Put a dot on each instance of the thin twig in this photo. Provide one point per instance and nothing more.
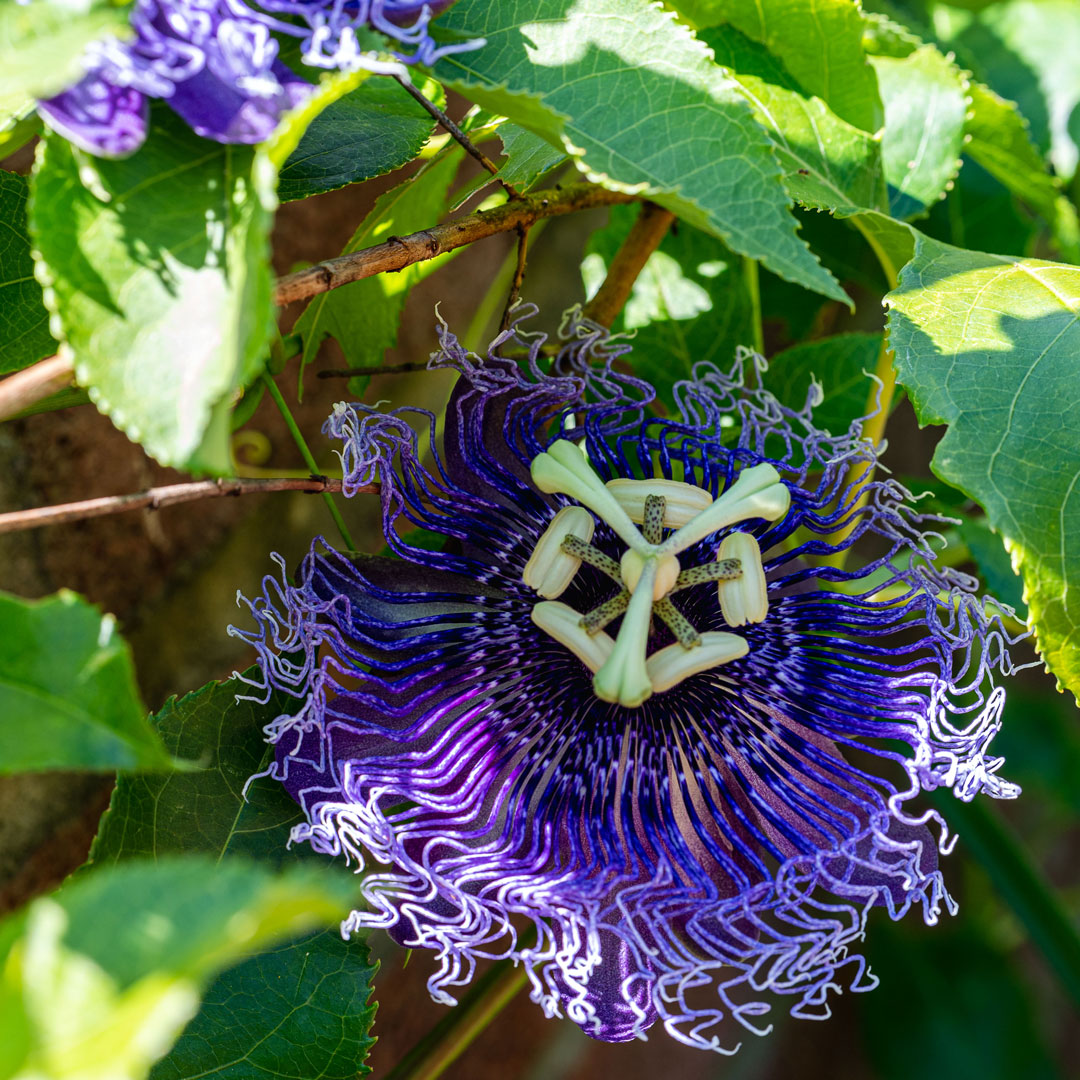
(20, 391)
(379, 369)
(159, 497)
(401, 251)
(643, 239)
(519, 274)
(456, 133)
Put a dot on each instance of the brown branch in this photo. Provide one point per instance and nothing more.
(457, 134)
(519, 274)
(26, 387)
(643, 239)
(156, 498)
(401, 251)
(380, 369)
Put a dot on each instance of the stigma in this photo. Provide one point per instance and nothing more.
(640, 512)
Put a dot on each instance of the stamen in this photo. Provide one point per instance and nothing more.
(682, 502)
(562, 468)
(552, 567)
(677, 623)
(593, 556)
(669, 666)
(721, 570)
(652, 527)
(623, 679)
(744, 599)
(563, 623)
(758, 493)
(604, 613)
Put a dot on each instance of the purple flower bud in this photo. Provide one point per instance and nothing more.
(215, 62)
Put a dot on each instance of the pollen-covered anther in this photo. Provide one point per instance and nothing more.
(563, 623)
(743, 599)
(682, 502)
(669, 666)
(632, 566)
(551, 567)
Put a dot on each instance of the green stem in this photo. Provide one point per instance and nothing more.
(753, 287)
(305, 452)
(1019, 883)
(452, 1035)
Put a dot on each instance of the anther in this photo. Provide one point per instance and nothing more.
(744, 599)
(682, 502)
(669, 666)
(563, 623)
(552, 567)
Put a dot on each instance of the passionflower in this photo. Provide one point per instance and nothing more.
(215, 62)
(646, 708)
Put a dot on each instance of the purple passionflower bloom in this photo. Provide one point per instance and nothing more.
(633, 725)
(215, 62)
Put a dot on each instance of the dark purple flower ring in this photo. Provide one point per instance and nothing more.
(693, 810)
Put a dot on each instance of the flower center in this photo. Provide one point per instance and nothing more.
(649, 570)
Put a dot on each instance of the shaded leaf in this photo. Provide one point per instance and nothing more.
(375, 128)
(989, 555)
(1001, 143)
(839, 365)
(67, 691)
(987, 344)
(24, 322)
(298, 1011)
(204, 810)
(828, 164)
(1026, 50)
(364, 315)
(819, 42)
(925, 109)
(547, 64)
(528, 156)
(98, 979)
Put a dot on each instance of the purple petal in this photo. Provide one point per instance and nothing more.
(106, 120)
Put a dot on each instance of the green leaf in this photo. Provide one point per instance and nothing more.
(819, 42)
(99, 979)
(989, 555)
(19, 122)
(67, 691)
(547, 64)
(840, 365)
(1000, 141)
(364, 315)
(528, 156)
(206, 810)
(375, 128)
(925, 109)
(828, 164)
(157, 272)
(688, 304)
(987, 344)
(42, 44)
(24, 322)
(298, 1010)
